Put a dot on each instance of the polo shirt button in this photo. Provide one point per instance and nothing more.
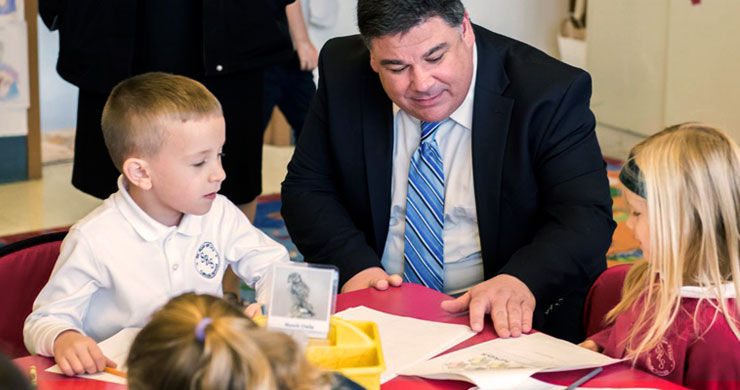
(174, 267)
(219, 68)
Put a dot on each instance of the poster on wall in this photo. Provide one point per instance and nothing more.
(13, 66)
(11, 11)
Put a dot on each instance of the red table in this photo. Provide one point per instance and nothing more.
(409, 300)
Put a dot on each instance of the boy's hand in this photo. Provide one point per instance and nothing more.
(253, 310)
(78, 354)
(590, 344)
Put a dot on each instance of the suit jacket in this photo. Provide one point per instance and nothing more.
(97, 39)
(542, 195)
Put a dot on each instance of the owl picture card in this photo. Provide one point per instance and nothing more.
(302, 298)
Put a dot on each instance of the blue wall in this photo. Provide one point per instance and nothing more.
(58, 97)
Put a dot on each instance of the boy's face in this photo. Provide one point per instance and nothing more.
(186, 173)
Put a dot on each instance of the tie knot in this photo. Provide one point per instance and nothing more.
(428, 129)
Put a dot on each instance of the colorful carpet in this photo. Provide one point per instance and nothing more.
(624, 247)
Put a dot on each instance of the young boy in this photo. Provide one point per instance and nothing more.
(165, 232)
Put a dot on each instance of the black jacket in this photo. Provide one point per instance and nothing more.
(542, 195)
(97, 37)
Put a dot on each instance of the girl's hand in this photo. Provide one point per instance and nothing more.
(589, 344)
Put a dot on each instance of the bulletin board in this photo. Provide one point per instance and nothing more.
(19, 87)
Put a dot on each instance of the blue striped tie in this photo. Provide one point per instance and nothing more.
(424, 249)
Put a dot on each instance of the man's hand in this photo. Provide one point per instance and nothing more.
(505, 297)
(78, 354)
(372, 277)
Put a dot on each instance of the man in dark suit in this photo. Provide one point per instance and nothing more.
(516, 170)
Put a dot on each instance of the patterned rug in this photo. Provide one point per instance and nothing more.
(624, 247)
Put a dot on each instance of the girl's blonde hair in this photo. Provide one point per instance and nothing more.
(690, 174)
(234, 353)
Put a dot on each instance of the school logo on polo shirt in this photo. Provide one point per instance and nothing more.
(207, 260)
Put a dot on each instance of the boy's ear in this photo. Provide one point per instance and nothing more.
(136, 171)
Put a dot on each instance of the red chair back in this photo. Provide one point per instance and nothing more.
(603, 296)
(25, 267)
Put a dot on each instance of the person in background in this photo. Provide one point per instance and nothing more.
(289, 85)
(202, 342)
(485, 145)
(224, 45)
(166, 231)
(678, 316)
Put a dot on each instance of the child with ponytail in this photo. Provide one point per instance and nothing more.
(678, 316)
(203, 342)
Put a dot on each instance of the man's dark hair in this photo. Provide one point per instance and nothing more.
(377, 18)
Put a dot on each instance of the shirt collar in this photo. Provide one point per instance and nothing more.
(728, 291)
(464, 114)
(147, 227)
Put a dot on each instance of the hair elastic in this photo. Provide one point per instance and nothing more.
(631, 177)
(200, 329)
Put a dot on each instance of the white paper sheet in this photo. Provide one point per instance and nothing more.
(116, 348)
(407, 341)
(534, 384)
(505, 363)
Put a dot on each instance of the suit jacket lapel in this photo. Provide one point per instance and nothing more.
(377, 131)
(491, 114)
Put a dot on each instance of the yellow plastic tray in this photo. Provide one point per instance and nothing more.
(351, 348)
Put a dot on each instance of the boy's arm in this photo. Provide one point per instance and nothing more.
(251, 252)
(64, 301)
(78, 354)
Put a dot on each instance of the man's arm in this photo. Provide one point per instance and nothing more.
(566, 252)
(568, 248)
(315, 215)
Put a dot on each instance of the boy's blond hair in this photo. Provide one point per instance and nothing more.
(133, 114)
(691, 178)
(231, 353)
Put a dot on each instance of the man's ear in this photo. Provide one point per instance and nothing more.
(137, 173)
(467, 30)
(374, 64)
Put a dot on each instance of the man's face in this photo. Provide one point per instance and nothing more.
(427, 71)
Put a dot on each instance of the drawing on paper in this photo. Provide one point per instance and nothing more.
(482, 362)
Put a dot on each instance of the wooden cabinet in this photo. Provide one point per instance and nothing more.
(661, 62)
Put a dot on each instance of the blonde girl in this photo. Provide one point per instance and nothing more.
(203, 342)
(678, 317)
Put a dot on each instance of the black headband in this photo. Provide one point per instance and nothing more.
(632, 179)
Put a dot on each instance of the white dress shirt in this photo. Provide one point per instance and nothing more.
(118, 265)
(463, 267)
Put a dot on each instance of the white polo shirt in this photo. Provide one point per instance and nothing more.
(118, 265)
